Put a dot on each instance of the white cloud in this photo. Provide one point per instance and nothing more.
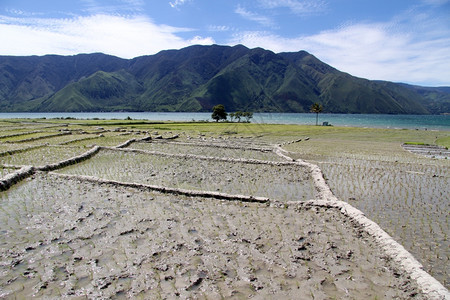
(198, 40)
(117, 35)
(263, 20)
(218, 28)
(177, 3)
(373, 51)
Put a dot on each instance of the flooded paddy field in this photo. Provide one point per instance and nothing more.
(412, 203)
(69, 238)
(69, 233)
(282, 182)
(405, 193)
(215, 149)
(7, 148)
(41, 155)
(110, 139)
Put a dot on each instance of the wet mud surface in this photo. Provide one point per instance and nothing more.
(405, 193)
(280, 182)
(428, 151)
(226, 150)
(68, 238)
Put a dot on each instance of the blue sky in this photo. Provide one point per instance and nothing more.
(396, 40)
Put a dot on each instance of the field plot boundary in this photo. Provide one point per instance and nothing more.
(324, 191)
(39, 138)
(211, 158)
(15, 177)
(19, 134)
(431, 151)
(162, 189)
(11, 152)
(395, 251)
(70, 161)
(26, 171)
(125, 144)
(78, 140)
(197, 144)
(432, 288)
(429, 285)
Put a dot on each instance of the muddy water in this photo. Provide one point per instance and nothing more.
(65, 238)
(409, 201)
(215, 150)
(284, 183)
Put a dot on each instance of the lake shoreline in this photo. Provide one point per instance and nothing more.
(420, 122)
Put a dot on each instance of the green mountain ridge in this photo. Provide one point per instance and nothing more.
(197, 78)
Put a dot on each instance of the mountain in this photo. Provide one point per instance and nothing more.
(198, 77)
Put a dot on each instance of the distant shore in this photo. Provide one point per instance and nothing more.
(420, 122)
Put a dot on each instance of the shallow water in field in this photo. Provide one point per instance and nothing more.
(99, 236)
(411, 202)
(69, 239)
(284, 183)
(407, 196)
(226, 151)
(41, 156)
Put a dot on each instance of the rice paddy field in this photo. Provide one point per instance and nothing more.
(280, 182)
(116, 238)
(406, 194)
(218, 149)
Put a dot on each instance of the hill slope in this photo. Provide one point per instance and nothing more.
(198, 77)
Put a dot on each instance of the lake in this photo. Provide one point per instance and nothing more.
(421, 122)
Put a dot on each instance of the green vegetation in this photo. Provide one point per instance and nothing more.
(219, 113)
(317, 109)
(197, 78)
(415, 143)
(241, 114)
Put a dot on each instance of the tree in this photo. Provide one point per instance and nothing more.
(238, 116)
(219, 113)
(241, 114)
(247, 115)
(316, 108)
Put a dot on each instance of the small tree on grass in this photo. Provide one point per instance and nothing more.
(241, 114)
(317, 108)
(247, 115)
(219, 113)
(238, 116)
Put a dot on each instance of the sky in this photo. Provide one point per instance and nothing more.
(395, 40)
